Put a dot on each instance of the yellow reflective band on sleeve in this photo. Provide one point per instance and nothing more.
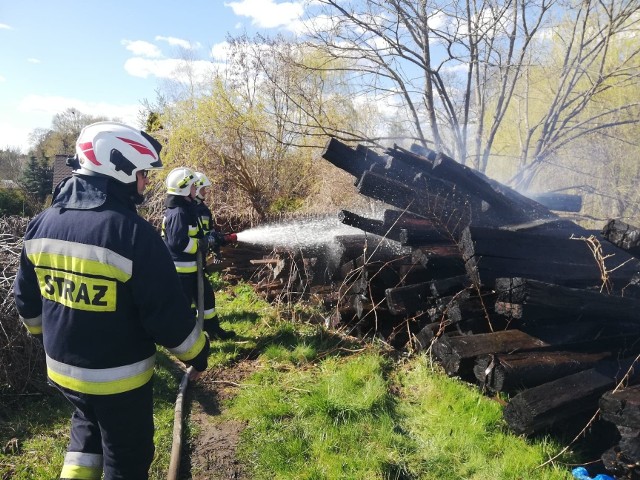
(80, 465)
(186, 267)
(191, 346)
(76, 291)
(103, 381)
(78, 258)
(193, 230)
(34, 330)
(34, 325)
(192, 246)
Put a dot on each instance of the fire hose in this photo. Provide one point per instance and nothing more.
(176, 445)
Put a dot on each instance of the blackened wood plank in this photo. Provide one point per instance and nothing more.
(560, 202)
(363, 223)
(552, 403)
(347, 158)
(484, 271)
(508, 203)
(423, 236)
(552, 255)
(510, 372)
(623, 235)
(452, 216)
(622, 407)
(457, 354)
(565, 303)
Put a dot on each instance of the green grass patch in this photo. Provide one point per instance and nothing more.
(317, 407)
(335, 420)
(460, 434)
(40, 425)
(34, 434)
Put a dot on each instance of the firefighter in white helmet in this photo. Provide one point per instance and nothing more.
(184, 234)
(97, 284)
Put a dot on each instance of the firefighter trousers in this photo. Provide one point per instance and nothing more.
(189, 283)
(111, 434)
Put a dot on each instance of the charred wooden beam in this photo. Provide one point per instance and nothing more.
(551, 404)
(558, 303)
(370, 154)
(623, 235)
(363, 223)
(410, 299)
(622, 407)
(511, 372)
(458, 354)
(486, 241)
(560, 202)
(433, 267)
(623, 460)
(423, 202)
(547, 258)
(508, 202)
(468, 307)
(405, 219)
(347, 158)
(423, 236)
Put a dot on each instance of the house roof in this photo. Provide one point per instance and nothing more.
(60, 169)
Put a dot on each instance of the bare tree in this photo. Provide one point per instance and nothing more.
(61, 137)
(256, 127)
(591, 79)
(452, 69)
(442, 64)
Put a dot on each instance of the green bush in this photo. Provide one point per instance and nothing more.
(13, 202)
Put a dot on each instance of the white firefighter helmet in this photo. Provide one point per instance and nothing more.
(116, 150)
(179, 181)
(201, 182)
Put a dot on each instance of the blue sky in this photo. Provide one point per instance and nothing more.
(106, 57)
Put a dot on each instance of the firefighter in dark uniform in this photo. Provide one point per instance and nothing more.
(186, 238)
(97, 284)
(207, 224)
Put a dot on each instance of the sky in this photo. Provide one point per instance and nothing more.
(104, 58)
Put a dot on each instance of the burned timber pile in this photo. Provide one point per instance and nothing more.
(495, 286)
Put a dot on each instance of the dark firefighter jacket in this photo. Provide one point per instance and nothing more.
(205, 217)
(97, 281)
(181, 231)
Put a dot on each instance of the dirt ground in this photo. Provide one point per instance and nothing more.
(212, 454)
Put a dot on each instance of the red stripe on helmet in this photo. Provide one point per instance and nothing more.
(87, 149)
(140, 148)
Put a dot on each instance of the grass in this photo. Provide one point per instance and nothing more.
(317, 407)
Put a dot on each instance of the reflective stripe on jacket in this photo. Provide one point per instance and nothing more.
(100, 286)
(181, 231)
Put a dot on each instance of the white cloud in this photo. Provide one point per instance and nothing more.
(40, 109)
(33, 60)
(4, 26)
(142, 48)
(267, 13)
(172, 69)
(178, 42)
(219, 51)
(14, 137)
(2, 78)
(51, 105)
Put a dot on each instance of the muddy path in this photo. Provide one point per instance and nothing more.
(211, 454)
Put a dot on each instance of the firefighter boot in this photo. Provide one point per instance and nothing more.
(215, 331)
